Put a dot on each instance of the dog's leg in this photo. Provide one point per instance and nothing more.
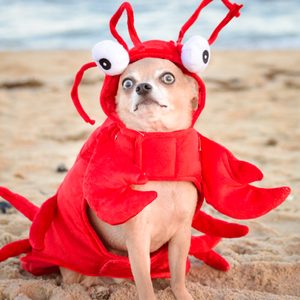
(178, 251)
(71, 277)
(139, 257)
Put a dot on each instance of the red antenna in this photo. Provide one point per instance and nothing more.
(74, 92)
(233, 12)
(130, 24)
(113, 23)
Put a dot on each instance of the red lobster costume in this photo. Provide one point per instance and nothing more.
(115, 157)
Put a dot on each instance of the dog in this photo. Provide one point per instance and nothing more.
(154, 95)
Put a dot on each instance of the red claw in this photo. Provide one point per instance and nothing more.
(226, 188)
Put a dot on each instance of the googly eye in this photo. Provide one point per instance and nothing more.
(195, 54)
(110, 57)
(127, 83)
(167, 78)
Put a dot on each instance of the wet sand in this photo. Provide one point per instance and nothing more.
(253, 108)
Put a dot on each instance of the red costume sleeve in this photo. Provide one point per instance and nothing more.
(226, 184)
(107, 183)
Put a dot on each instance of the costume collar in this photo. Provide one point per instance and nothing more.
(142, 134)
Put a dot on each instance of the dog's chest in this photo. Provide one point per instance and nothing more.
(175, 199)
(174, 208)
(157, 223)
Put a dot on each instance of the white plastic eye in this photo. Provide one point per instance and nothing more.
(195, 54)
(110, 57)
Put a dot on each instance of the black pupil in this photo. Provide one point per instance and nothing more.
(128, 83)
(205, 56)
(105, 63)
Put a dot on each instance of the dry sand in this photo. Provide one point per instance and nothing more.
(253, 108)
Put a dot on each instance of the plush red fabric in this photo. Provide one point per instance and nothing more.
(111, 160)
(115, 157)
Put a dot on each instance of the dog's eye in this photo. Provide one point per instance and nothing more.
(167, 78)
(110, 57)
(127, 83)
(195, 54)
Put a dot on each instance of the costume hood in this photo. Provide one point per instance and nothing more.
(113, 57)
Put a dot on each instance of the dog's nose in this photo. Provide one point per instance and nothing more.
(143, 89)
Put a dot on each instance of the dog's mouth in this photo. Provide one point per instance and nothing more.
(147, 101)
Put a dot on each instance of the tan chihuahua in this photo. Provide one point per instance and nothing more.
(154, 95)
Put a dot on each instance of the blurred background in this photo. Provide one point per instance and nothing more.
(72, 24)
(252, 108)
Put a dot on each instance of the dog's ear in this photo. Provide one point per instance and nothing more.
(194, 94)
(194, 103)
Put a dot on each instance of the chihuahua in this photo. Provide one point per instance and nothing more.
(154, 95)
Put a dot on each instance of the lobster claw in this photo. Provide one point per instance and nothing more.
(226, 184)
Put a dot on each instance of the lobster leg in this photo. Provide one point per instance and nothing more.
(14, 249)
(211, 226)
(22, 204)
(42, 222)
(42, 218)
(201, 248)
(214, 260)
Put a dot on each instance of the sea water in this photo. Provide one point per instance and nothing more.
(79, 24)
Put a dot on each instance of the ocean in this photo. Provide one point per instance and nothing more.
(73, 24)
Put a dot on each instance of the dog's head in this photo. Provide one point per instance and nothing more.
(134, 86)
(155, 95)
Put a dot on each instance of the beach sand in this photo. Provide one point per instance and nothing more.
(252, 108)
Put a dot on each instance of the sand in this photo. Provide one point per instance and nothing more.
(253, 108)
